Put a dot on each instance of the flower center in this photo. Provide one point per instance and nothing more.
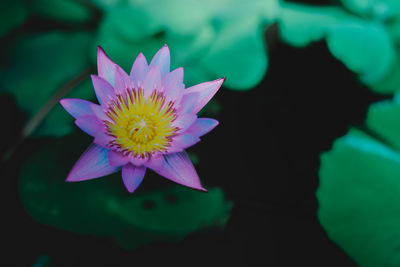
(141, 126)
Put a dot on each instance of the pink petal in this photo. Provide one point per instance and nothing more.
(202, 126)
(183, 121)
(162, 60)
(122, 81)
(152, 81)
(92, 164)
(176, 94)
(77, 107)
(104, 91)
(102, 139)
(116, 159)
(183, 141)
(187, 103)
(139, 70)
(105, 66)
(132, 176)
(178, 168)
(138, 161)
(97, 110)
(207, 90)
(173, 79)
(89, 124)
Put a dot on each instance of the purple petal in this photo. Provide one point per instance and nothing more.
(173, 79)
(202, 126)
(104, 90)
(183, 121)
(162, 60)
(183, 141)
(139, 70)
(176, 94)
(177, 167)
(92, 164)
(187, 103)
(152, 81)
(102, 139)
(77, 107)
(97, 110)
(105, 66)
(138, 161)
(132, 176)
(89, 124)
(207, 90)
(122, 81)
(116, 159)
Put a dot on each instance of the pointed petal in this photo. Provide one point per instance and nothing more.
(104, 91)
(152, 81)
(172, 79)
(162, 60)
(132, 176)
(202, 126)
(183, 121)
(139, 70)
(207, 90)
(138, 161)
(116, 159)
(99, 113)
(122, 81)
(187, 102)
(105, 66)
(92, 164)
(77, 107)
(183, 141)
(102, 139)
(177, 167)
(89, 124)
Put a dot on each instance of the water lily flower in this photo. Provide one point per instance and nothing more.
(145, 120)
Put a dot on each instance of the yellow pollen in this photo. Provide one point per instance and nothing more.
(141, 126)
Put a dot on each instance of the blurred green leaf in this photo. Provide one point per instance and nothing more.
(364, 48)
(12, 14)
(359, 189)
(244, 60)
(378, 9)
(383, 119)
(210, 40)
(299, 25)
(65, 10)
(103, 207)
(39, 66)
(358, 198)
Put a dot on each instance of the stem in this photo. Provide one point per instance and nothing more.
(35, 121)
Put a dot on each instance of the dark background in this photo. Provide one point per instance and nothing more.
(264, 155)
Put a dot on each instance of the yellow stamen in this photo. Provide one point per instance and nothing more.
(141, 126)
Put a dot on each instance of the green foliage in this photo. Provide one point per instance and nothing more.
(64, 10)
(12, 13)
(210, 41)
(365, 47)
(359, 189)
(103, 207)
(39, 66)
(378, 9)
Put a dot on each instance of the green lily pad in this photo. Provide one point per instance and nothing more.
(299, 25)
(64, 10)
(359, 189)
(378, 9)
(383, 119)
(244, 61)
(224, 39)
(13, 13)
(364, 48)
(40, 65)
(103, 207)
